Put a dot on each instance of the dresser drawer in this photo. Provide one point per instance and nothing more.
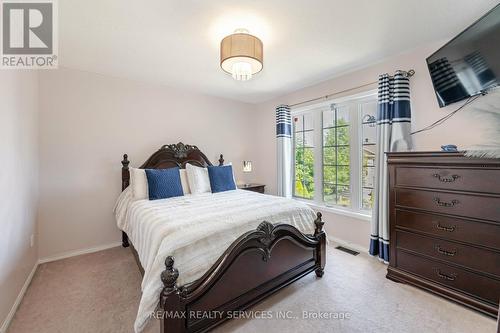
(452, 252)
(467, 282)
(474, 180)
(451, 228)
(481, 207)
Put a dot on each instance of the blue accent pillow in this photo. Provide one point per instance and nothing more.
(221, 178)
(164, 183)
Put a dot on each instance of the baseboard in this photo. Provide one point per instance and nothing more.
(359, 248)
(74, 253)
(19, 298)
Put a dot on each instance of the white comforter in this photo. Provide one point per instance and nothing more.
(196, 230)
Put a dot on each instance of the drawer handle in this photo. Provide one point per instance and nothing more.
(448, 229)
(450, 277)
(446, 179)
(446, 204)
(446, 252)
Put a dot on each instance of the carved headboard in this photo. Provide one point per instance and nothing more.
(169, 156)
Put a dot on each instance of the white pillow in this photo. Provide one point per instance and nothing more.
(198, 179)
(139, 183)
(184, 181)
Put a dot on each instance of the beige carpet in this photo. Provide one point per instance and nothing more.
(99, 292)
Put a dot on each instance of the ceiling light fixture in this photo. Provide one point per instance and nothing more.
(241, 55)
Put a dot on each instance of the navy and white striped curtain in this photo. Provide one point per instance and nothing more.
(284, 150)
(393, 134)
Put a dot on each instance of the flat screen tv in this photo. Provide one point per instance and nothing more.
(469, 64)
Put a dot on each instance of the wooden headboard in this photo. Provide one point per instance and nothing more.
(169, 156)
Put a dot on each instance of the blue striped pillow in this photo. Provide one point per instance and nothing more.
(221, 178)
(164, 183)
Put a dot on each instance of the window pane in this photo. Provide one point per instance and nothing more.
(343, 196)
(369, 112)
(308, 190)
(309, 159)
(367, 199)
(329, 174)
(369, 156)
(343, 135)
(309, 139)
(299, 188)
(369, 140)
(343, 156)
(297, 123)
(342, 115)
(343, 175)
(369, 133)
(329, 155)
(329, 194)
(299, 173)
(299, 140)
(308, 122)
(304, 173)
(328, 118)
(368, 177)
(329, 137)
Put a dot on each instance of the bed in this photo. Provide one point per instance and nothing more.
(205, 257)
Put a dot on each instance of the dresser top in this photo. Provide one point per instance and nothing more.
(426, 153)
(438, 157)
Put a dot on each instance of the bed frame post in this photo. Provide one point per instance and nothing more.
(174, 315)
(125, 242)
(321, 248)
(221, 160)
(125, 184)
(125, 172)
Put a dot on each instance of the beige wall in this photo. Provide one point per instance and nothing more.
(87, 122)
(463, 129)
(18, 181)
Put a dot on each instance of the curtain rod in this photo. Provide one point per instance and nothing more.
(409, 73)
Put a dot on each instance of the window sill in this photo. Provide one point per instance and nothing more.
(335, 210)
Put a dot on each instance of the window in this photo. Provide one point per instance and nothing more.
(334, 152)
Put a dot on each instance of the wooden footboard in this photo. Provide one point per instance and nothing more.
(256, 265)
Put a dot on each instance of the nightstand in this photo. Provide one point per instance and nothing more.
(252, 187)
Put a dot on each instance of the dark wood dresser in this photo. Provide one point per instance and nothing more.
(253, 187)
(445, 226)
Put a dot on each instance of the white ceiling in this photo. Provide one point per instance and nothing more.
(176, 42)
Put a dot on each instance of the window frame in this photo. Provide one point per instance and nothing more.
(356, 151)
(304, 147)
